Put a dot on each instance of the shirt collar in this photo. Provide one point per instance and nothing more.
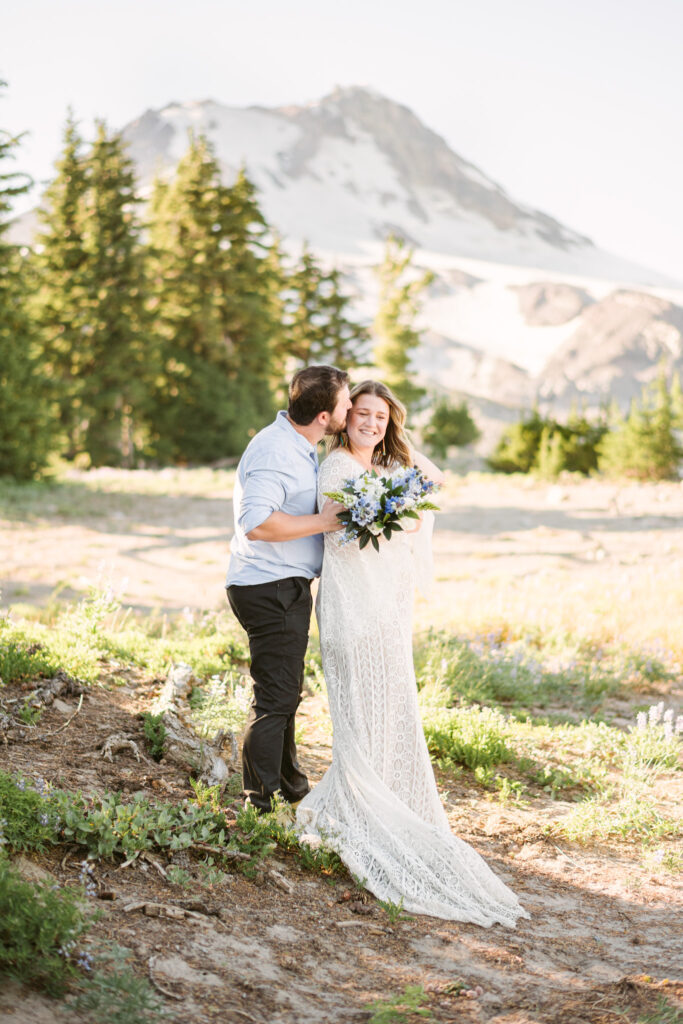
(283, 423)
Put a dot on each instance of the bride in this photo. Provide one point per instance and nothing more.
(378, 805)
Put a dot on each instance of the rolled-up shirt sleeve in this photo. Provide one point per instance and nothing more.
(277, 473)
(264, 491)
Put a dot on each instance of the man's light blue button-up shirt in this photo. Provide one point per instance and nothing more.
(277, 472)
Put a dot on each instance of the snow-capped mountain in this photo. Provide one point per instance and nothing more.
(516, 296)
(346, 171)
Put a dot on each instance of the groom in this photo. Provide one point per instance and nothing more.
(276, 551)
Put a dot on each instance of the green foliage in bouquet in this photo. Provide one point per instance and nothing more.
(375, 505)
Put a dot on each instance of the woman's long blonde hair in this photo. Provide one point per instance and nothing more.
(394, 446)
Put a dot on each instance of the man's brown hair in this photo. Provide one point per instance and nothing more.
(313, 390)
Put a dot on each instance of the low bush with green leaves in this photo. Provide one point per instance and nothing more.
(36, 816)
(42, 928)
(467, 736)
(155, 734)
(28, 816)
(45, 944)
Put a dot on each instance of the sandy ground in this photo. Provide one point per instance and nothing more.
(501, 546)
(603, 942)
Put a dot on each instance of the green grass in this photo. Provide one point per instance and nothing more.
(524, 668)
(114, 994)
(155, 734)
(483, 700)
(622, 814)
(664, 1013)
(402, 1008)
(472, 737)
(45, 944)
(85, 638)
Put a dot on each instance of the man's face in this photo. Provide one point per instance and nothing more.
(338, 417)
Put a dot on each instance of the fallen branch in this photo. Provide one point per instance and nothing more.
(53, 732)
(160, 988)
(280, 880)
(242, 1013)
(221, 851)
(119, 741)
(163, 910)
(370, 925)
(155, 863)
(127, 863)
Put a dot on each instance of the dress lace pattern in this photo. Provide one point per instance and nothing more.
(378, 805)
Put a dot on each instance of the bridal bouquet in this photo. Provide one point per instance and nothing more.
(375, 504)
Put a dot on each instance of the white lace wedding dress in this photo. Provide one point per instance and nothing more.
(378, 805)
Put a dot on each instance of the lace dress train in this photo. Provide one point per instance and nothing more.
(378, 805)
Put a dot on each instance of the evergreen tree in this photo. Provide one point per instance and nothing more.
(319, 328)
(449, 424)
(677, 401)
(518, 446)
(551, 456)
(62, 295)
(89, 302)
(644, 445)
(213, 306)
(316, 323)
(114, 356)
(542, 445)
(248, 313)
(26, 434)
(399, 303)
(580, 440)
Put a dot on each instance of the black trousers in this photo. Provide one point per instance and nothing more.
(276, 617)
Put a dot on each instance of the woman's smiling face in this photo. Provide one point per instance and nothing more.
(367, 421)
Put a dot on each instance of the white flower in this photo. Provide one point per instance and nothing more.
(310, 840)
(373, 489)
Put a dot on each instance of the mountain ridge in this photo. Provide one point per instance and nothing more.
(345, 170)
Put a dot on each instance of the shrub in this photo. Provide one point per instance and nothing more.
(155, 734)
(644, 444)
(40, 928)
(543, 445)
(470, 736)
(449, 425)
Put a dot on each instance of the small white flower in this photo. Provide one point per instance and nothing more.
(312, 841)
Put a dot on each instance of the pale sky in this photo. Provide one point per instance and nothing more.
(573, 106)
